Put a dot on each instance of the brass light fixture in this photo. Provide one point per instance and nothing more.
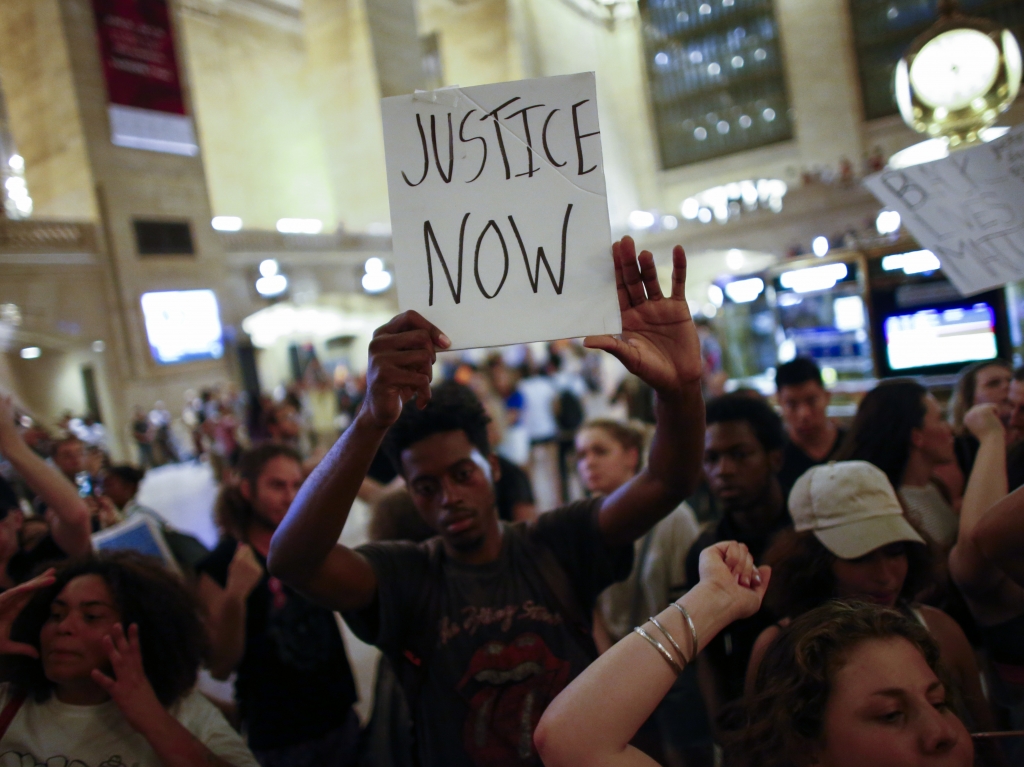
(958, 76)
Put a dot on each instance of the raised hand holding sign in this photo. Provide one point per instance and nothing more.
(659, 340)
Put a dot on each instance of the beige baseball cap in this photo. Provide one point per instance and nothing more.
(851, 507)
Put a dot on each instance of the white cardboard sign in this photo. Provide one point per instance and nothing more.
(499, 213)
(968, 209)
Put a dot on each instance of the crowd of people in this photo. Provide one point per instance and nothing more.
(555, 573)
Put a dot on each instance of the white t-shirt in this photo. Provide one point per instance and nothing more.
(930, 514)
(539, 395)
(54, 733)
(662, 574)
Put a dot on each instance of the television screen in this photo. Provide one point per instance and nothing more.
(933, 337)
(182, 325)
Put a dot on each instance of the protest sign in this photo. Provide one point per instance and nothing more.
(968, 209)
(499, 212)
(138, 533)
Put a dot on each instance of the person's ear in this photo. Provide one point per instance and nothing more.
(775, 460)
(245, 488)
(492, 459)
(17, 519)
(828, 397)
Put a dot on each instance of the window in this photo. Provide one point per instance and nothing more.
(163, 238)
(716, 77)
(884, 29)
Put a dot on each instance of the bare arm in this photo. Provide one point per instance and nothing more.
(660, 345)
(175, 746)
(958, 657)
(585, 725)
(70, 522)
(303, 551)
(225, 610)
(981, 580)
(1000, 535)
(225, 627)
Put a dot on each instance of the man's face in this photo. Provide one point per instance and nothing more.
(738, 468)
(70, 458)
(276, 488)
(992, 386)
(452, 485)
(287, 424)
(1017, 409)
(804, 409)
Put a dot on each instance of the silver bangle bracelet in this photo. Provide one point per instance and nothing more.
(671, 639)
(660, 648)
(693, 629)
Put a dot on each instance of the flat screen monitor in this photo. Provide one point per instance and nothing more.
(934, 337)
(183, 325)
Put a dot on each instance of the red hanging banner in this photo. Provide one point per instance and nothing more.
(137, 48)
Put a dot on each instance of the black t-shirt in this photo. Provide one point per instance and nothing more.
(795, 461)
(482, 650)
(729, 652)
(294, 683)
(27, 564)
(512, 488)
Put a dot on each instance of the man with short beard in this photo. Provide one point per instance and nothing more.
(294, 687)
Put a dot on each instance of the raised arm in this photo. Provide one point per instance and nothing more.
(226, 610)
(69, 525)
(592, 721)
(303, 551)
(980, 579)
(999, 535)
(659, 344)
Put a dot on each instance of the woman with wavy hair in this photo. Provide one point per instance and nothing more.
(98, 667)
(848, 685)
(899, 427)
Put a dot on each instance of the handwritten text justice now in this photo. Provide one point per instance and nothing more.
(555, 128)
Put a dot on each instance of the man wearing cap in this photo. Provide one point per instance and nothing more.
(851, 540)
(742, 456)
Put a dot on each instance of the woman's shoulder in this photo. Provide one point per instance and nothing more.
(942, 627)
(207, 724)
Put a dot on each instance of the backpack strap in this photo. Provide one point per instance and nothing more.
(9, 712)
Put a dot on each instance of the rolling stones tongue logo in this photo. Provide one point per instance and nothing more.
(508, 687)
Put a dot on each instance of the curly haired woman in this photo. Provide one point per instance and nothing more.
(847, 685)
(99, 667)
